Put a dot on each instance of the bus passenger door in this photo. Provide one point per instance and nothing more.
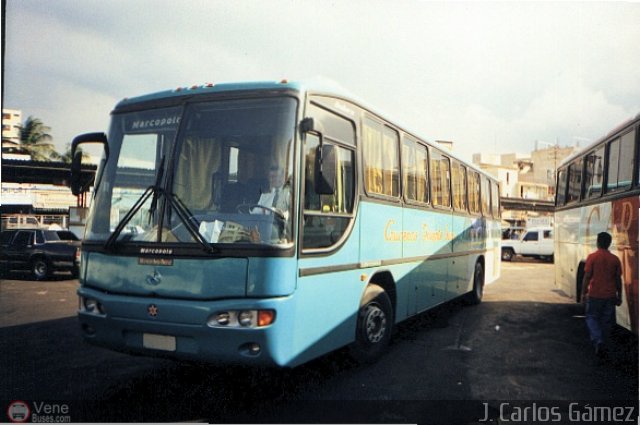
(430, 272)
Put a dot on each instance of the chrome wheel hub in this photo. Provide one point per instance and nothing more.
(375, 323)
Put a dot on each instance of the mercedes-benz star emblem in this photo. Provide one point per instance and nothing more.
(155, 278)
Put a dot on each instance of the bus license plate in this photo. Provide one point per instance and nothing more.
(159, 342)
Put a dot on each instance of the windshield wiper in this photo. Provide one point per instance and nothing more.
(185, 216)
(174, 203)
(156, 185)
(128, 216)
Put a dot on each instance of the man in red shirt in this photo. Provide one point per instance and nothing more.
(601, 291)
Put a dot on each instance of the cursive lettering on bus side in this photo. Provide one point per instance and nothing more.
(391, 235)
(627, 216)
(429, 235)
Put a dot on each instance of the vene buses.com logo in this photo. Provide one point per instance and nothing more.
(18, 411)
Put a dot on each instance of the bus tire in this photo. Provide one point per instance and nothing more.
(579, 278)
(507, 254)
(374, 325)
(475, 296)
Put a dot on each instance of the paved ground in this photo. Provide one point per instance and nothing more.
(525, 342)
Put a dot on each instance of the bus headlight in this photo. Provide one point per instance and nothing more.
(91, 306)
(245, 318)
(242, 319)
(223, 319)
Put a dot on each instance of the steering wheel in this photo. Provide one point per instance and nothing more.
(246, 209)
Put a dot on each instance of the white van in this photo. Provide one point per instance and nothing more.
(535, 242)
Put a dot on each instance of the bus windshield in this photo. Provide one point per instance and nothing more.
(216, 172)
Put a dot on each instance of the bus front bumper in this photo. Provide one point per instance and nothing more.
(184, 329)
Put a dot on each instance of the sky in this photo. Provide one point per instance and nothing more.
(491, 77)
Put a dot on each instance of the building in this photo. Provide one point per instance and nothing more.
(32, 192)
(11, 123)
(525, 179)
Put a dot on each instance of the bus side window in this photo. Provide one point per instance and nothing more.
(485, 196)
(381, 159)
(575, 181)
(459, 184)
(495, 200)
(561, 191)
(327, 216)
(620, 163)
(474, 192)
(440, 180)
(594, 171)
(415, 171)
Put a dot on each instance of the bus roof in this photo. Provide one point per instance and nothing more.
(209, 88)
(319, 86)
(628, 123)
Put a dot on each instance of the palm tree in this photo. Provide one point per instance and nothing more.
(36, 140)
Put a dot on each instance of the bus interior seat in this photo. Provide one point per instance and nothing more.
(233, 194)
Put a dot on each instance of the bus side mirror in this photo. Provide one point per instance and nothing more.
(77, 185)
(325, 170)
(307, 125)
(76, 168)
(311, 125)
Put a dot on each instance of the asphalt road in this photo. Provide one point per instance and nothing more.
(525, 342)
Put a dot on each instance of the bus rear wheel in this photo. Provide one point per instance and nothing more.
(475, 296)
(374, 325)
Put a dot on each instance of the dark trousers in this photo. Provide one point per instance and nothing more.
(600, 317)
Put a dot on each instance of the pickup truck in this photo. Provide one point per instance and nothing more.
(40, 251)
(535, 242)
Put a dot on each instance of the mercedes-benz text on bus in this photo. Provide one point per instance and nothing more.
(270, 223)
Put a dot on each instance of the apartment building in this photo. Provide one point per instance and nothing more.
(524, 176)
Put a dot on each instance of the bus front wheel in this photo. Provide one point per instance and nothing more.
(374, 325)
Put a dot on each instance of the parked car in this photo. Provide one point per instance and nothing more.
(535, 242)
(40, 251)
(67, 235)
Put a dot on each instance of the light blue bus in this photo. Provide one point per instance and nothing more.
(270, 223)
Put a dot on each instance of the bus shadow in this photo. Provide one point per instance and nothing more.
(241, 394)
